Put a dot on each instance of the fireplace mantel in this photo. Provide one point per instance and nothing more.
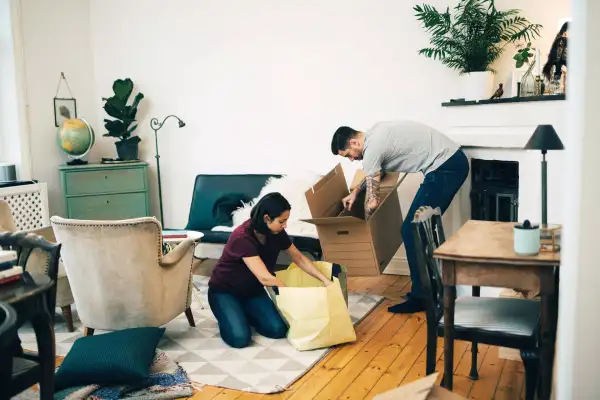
(502, 126)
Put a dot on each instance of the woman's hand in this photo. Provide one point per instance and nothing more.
(306, 265)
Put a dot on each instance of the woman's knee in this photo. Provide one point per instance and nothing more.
(274, 329)
(237, 338)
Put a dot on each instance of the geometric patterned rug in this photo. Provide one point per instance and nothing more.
(266, 366)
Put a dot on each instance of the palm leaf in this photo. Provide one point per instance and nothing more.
(474, 36)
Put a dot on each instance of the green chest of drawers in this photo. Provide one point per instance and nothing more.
(106, 191)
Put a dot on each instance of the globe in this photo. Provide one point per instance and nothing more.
(75, 137)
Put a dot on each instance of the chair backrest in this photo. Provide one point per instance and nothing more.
(32, 248)
(113, 266)
(208, 189)
(7, 222)
(429, 235)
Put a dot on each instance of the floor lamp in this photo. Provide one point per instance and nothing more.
(544, 138)
(155, 125)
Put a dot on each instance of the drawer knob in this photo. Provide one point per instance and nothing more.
(107, 201)
(105, 176)
(343, 232)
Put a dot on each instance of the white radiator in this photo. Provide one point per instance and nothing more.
(28, 205)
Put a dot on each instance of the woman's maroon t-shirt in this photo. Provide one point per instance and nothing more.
(232, 275)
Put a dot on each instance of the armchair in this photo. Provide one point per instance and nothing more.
(37, 263)
(119, 276)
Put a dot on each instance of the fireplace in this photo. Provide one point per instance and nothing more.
(494, 190)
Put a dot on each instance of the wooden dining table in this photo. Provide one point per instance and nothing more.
(481, 253)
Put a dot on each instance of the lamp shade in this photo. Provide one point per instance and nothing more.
(544, 138)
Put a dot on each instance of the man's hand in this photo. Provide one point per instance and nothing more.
(327, 282)
(349, 200)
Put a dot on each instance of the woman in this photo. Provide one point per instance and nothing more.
(236, 288)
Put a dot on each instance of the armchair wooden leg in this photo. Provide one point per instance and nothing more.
(190, 316)
(88, 331)
(66, 310)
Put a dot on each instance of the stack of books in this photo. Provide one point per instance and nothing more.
(9, 271)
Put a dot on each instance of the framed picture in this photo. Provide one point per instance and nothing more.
(64, 109)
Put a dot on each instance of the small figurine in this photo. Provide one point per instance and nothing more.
(498, 93)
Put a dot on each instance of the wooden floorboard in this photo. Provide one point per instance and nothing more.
(390, 351)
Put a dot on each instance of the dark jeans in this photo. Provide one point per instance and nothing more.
(437, 190)
(236, 315)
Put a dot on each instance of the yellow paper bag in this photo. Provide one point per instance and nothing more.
(317, 316)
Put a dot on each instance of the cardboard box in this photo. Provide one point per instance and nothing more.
(423, 389)
(364, 247)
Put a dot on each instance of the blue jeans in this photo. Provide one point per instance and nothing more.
(236, 315)
(437, 190)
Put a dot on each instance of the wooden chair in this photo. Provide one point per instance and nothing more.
(8, 332)
(505, 322)
(64, 296)
(32, 297)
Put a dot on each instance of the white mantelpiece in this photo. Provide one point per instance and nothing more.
(499, 132)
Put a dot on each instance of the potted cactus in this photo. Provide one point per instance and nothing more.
(122, 126)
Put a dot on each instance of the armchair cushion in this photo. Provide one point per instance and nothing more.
(120, 357)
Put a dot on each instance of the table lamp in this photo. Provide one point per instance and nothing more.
(155, 125)
(544, 138)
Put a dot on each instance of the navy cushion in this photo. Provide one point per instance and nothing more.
(114, 358)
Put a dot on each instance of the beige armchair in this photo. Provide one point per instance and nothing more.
(37, 263)
(119, 276)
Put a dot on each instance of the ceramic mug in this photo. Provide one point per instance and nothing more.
(527, 240)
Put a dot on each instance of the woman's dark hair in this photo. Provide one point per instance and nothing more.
(273, 205)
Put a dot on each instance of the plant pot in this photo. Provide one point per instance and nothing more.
(477, 85)
(127, 150)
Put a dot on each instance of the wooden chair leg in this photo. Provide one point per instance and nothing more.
(474, 375)
(476, 292)
(431, 349)
(88, 331)
(531, 362)
(66, 310)
(190, 316)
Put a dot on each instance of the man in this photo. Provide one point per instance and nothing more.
(405, 146)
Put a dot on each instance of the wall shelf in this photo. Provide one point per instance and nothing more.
(463, 103)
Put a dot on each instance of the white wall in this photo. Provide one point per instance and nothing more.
(262, 85)
(579, 325)
(10, 142)
(55, 39)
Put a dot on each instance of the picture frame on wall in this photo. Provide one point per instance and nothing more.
(64, 108)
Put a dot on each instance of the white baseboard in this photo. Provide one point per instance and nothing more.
(398, 266)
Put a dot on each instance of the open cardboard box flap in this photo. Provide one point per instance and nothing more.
(325, 197)
(423, 389)
(389, 181)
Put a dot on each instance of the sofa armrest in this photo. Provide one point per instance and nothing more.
(179, 252)
(176, 269)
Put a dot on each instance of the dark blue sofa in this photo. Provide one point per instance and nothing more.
(209, 192)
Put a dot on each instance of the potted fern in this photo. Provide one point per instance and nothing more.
(124, 116)
(472, 38)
